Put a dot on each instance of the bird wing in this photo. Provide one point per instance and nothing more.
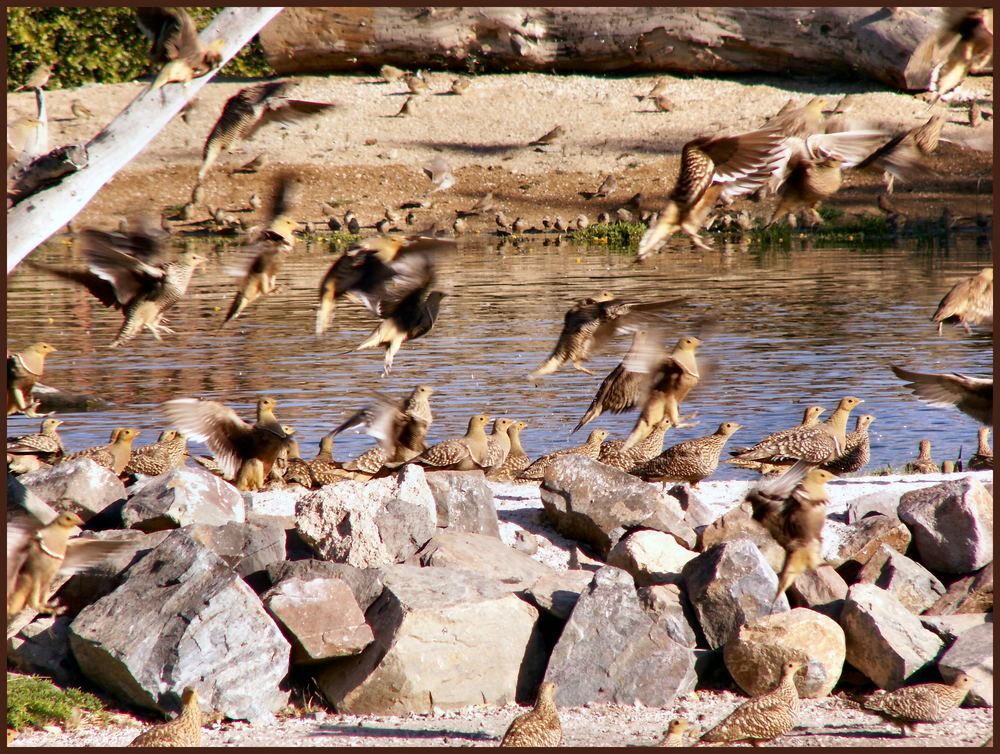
(20, 530)
(216, 425)
(743, 162)
(850, 147)
(184, 43)
(286, 112)
(162, 26)
(98, 287)
(106, 258)
(382, 420)
(437, 170)
(83, 553)
(412, 270)
(972, 395)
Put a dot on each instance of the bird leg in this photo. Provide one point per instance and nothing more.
(889, 180)
(31, 410)
(548, 367)
(390, 350)
(20, 404)
(580, 367)
(697, 240)
(685, 421)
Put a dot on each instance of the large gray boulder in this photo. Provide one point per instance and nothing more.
(321, 617)
(484, 555)
(738, 523)
(464, 502)
(443, 638)
(667, 606)
(822, 590)
(42, 648)
(365, 583)
(611, 651)
(182, 496)
(369, 524)
(80, 486)
(972, 654)
(274, 506)
(246, 548)
(950, 627)
(969, 594)
(755, 654)
(184, 617)
(885, 641)
(952, 525)
(862, 540)
(595, 503)
(914, 586)
(728, 585)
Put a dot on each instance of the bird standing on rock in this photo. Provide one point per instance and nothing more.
(233, 442)
(115, 455)
(792, 507)
(129, 271)
(168, 452)
(973, 396)
(45, 444)
(497, 445)
(908, 706)
(176, 45)
(612, 453)
(183, 730)
(248, 111)
(762, 718)
(24, 369)
(712, 168)
(969, 300)
(590, 449)
(538, 728)
(461, 454)
(690, 461)
(857, 449)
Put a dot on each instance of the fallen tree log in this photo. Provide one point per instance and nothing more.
(889, 46)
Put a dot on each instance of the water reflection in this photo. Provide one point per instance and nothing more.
(794, 328)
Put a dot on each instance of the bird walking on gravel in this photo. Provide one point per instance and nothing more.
(463, 453)
(591, 322)
(24, 369)
(792, 507)
(37, 554)
(183, 730)
(262, 259)
(973, 396)
(713, 168)
(690, 461)
(762, 718)
(251, 109)
(129, 271)
(969, 300)
(235, 445)
(540, 726)
(909, 706)
(176, 46)
(590, 449)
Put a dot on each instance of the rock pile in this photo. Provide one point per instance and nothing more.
(408, 593)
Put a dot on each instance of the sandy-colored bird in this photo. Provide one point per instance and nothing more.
(964, 42)
(540, 726)
(903, 157)
(981, 460)
(251, 109)
(608, 186)
(80, 110)
(713, 168)
(232, 441)
(517, 460)
(660, 87)
(924, 462)
(183, 730)
(390, 73)
(815, 445)
(416, 82)
(440, 175)
(37, 554)
(38, 77)
(590, 449)
(460, 85)
(673, 736)
(792, 507)
(762, 718)
(591, 322)
(168, 452)
(497, 445)
(463, 453)
(28, 137)
(175, 45)
(46, 443)
(973, 396)
(799, 121)
(909, 706)
(115, 455)
(129, 271)
(400, 426)
(969, 300)
(690, 461)
(857, 449)
(24, 369)
(263, 257)
(612, 453)
(549, 137)
(810, 418)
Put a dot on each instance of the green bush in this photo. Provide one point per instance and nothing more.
(101, 45)
(37, 702)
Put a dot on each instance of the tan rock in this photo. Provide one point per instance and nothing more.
(913, 585)
(738, 523)
(866, 536)
(485, 555)
(652, 557)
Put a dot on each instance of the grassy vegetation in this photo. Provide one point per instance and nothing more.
(34, 702)
(101, 45)
(616, 235)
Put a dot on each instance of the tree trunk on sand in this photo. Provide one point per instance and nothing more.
(888, 46)
(38, 217)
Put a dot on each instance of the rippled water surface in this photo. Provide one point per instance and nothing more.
(794, 328)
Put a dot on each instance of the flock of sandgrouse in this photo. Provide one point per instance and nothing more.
(393, 277)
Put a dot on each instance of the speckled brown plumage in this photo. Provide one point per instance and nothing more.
(983, 458)
(690, 461)
(923, 703)
(799, 121)
(517, 460)
(538, 727)
(462, 453)
(969, 300)
(114, 456)
(45, 444)
(591, 322)
(324, 469)
(612, 453)
(973, 396)
(815, 445)
(368, 463)
(183, 730)
(792, 507)
(762, 718)
(857, 449)
(810, 418)
(590, 449)
(166, 453)
(673, 736)
(497, 445)
(924, 462)
(674, 377)
(628, 383)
